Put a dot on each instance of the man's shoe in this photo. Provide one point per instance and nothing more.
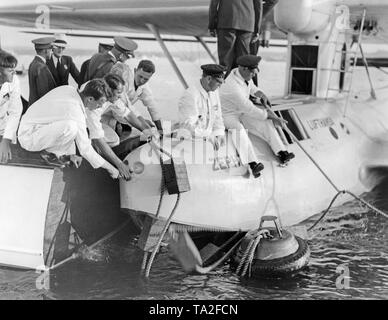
(285, 156)
(256, 169)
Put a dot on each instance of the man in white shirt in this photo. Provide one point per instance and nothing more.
(58, 119)
(200, 107)
(101, 123)
(10, 105)
(136, 87)
(240, 113)
(200, 111)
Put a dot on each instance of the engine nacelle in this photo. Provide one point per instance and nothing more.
(303, 17)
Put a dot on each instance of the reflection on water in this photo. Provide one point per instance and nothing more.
(350, 239)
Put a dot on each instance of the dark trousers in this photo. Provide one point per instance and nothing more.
(232, 44)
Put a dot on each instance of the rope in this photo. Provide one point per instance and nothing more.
(151, 260)
(77, 254)
(144, 263)
(371, 207)
(248, 256)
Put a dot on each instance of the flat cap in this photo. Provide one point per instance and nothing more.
(125, 45)
(214, 70)
(60, 40)
(43, 43)
(248, 60)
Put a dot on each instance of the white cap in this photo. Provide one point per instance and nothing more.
(60, 40)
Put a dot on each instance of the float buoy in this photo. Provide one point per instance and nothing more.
(271, 252)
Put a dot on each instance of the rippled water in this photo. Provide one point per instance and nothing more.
(350, 237)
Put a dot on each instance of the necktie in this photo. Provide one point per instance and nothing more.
(58, 65)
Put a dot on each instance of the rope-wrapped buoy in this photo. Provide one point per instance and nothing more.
(270, 252)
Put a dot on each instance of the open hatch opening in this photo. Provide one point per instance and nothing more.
(294, 124)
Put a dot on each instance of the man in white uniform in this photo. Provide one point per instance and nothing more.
(10, 105)
(101, 130)
(240, 113)
(58, 119)
(200, 111)
(136, 87)
(200, 107)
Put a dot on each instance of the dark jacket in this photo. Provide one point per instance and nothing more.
(82, 73)
(99, 65)
(40, 80)
(234, 14)
(67, 67)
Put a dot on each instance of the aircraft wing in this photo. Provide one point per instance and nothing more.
(174, 17)
(170, 16)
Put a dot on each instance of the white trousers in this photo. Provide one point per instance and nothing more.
(264, 129)
(56, 137)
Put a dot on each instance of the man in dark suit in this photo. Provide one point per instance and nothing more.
(60, 65)
(40, 78)
(102, 47)
(236, 23)
(101, 63)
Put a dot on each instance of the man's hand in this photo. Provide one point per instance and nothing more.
(75, 160)
(255, 38)
(125, 171)
(212, 32)
(150, 133)
(114, 173)
(264, 100)
(279, 121)
(5, 151)
(218, 142)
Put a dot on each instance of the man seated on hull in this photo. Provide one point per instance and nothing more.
(240, 113)
(200, 110)
(57, 121)
(10, 105)
(136, 87)
(101, 132)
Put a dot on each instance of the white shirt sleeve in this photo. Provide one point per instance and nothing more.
(247, 107)
(218, 126)
(93, 122)
(148, 100)
(14, 111)
(85, 148)
(188, 113)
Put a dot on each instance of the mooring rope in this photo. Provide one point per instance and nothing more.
(77, 254)
(249, 253)
(156, 249)
(150, 261)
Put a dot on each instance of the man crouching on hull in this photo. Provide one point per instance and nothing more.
(101, 123)
(57, 120)
(10, 105)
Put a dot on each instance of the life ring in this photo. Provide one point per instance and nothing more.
(277, 256)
